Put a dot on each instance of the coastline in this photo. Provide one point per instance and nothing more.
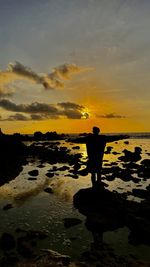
(60, 178)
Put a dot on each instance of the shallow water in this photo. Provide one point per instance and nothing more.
(37, 210)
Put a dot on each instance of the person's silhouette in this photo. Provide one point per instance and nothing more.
(95, 145)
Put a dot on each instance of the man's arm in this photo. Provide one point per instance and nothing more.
(116, 138)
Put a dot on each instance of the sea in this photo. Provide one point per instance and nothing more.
(35, 209)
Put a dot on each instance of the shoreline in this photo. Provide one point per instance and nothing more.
(70, 157)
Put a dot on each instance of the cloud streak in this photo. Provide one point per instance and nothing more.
(54, 80)
(111, 116)
(42, 111)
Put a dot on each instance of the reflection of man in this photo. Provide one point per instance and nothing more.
(95, 145)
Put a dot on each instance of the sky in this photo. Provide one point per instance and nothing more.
(69, 65)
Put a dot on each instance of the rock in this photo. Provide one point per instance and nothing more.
(115, 153)
(49, 190)
(103, 208)
(141, 193)
(108, 149)
(75, 147)
(131, 156)
(126, 142)
(33, 173)
(52, 255)
(148, 187)
(49, 174)
(63, 168)
(7, 241)
(69, 222)
(32, 179)
(146, 162)
(7, 207)
(83, 172)
(135, 180)
(41, 166)
(110, 177)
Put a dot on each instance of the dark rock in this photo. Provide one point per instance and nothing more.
(135, 180)
(148, 187)
(69, 222)
(13, 154)
(33, 173)
(50, 175)
(75, 147)
(32, 179)
(126, 142)
(115, 153)
(63, 168)
(108, 149)
(141, 193)
(146, 162)
(7, 241)
(48, 190)
(102, 208)
(7, 207)
(41, 166)
(83, 172)
(131, 156)
(110, 177)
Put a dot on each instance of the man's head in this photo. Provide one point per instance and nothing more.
(96, 130)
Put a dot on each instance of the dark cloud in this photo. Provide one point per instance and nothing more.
(111, 116)
(70, 105)
(18, 117)
(71, 110)
(22, 70)
(28, 108)
(41, 111)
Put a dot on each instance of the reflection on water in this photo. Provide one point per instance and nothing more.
(35, 209)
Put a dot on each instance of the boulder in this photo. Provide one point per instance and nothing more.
(7, 207)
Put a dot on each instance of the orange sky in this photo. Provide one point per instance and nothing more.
(72, 58)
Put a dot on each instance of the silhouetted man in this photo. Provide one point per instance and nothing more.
(95, 145)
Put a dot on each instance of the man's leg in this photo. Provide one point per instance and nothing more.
(93, 178)
(99, 176)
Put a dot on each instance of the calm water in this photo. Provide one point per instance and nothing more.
(37, 210)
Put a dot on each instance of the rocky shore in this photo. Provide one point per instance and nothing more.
(104, 210)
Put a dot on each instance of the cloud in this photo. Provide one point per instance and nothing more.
(65, 71)
(18, 117)
(71, 110)
(6, 93)
(28, 108)
(54, 80)
(111, 116)
(42, 111)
